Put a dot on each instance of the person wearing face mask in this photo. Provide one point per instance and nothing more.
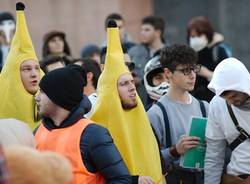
(7, 29)
(211, 51)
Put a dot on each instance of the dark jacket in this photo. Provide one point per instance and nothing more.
(209, 57)
(98, 151)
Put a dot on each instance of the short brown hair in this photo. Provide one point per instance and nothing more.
(201, 25)
(157, 23)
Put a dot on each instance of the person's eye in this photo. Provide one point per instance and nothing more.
(121, 83)
(25, 69)
(186, 70)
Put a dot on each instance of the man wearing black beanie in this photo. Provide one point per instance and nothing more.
(88, 146)
(65, 86)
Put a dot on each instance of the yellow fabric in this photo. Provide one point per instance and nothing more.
(131, 129)
(16, 102)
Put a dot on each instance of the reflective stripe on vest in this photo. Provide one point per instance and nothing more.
(66, 141)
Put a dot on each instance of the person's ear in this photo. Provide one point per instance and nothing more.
(168, 73)
(158, 33)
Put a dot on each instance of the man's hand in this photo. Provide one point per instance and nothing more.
(185, 143)
(145, 180)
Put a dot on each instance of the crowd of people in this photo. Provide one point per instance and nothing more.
(121, 112)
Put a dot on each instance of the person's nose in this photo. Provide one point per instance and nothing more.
(131, 87)
(34, 73)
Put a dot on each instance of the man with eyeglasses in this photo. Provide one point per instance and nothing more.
(170, 116)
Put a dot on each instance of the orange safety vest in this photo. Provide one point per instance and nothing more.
(66, 141)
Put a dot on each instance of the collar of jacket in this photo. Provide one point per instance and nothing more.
(75, 115)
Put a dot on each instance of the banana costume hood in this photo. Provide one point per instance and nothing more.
(16, 102)
(130, 129)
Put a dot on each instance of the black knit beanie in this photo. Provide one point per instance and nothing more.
(64, 86)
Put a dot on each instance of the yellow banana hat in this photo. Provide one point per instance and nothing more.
(131, 129)
(16, 102)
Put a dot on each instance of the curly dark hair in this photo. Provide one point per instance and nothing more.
(173, 56)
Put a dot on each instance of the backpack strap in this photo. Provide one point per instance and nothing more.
(227, 49)
(243, 134)
(166, 121)
(215, 52)
(203, 109)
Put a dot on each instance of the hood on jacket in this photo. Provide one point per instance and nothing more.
(217, 38)
(76, 114)
(230, 74)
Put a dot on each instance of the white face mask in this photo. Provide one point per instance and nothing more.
(198, 43)
(7, 26)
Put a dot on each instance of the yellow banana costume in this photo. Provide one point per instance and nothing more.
(130, 129)
(16, 102)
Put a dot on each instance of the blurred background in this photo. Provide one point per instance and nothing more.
(83, 20)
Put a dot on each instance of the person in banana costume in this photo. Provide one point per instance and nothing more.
(20, 76)
(120, 110)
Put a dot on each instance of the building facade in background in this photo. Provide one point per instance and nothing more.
(81, 20)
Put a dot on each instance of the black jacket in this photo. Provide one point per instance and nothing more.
(98, 151)
(206, 58)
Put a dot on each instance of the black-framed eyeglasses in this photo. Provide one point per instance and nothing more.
(188, 70)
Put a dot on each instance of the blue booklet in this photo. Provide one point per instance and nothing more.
(194, 158)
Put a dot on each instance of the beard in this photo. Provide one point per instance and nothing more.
(129, 106)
